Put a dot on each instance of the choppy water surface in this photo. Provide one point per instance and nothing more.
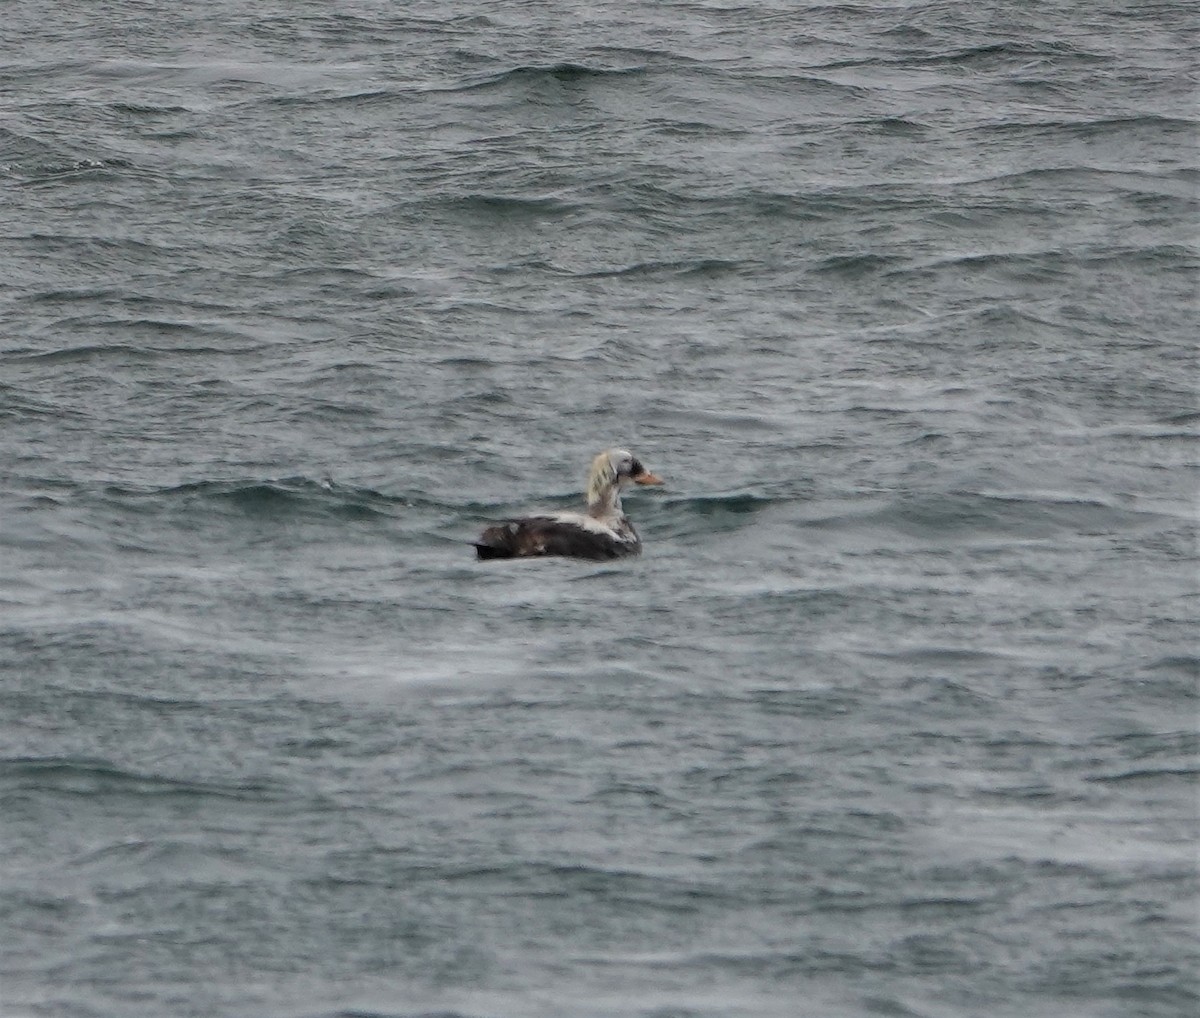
(897, 713)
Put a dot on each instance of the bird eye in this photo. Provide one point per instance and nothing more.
(636, 468)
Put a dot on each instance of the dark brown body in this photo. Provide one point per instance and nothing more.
(537, 536)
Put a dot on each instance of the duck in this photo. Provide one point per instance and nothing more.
(601, 531)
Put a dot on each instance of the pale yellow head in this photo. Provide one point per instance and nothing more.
(611, 470)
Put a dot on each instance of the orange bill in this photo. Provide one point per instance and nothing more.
(647, 478)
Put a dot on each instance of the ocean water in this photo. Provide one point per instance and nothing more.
(897, 713)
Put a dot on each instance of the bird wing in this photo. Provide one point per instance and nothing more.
(563, 534)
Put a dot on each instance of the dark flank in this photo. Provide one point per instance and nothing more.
(539, 536)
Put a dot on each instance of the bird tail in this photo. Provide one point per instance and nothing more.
(496, 542)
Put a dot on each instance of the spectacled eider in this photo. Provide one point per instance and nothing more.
(602, 532)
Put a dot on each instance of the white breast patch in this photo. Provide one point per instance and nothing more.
(588, 523)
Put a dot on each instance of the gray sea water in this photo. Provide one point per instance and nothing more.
(896, 715)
